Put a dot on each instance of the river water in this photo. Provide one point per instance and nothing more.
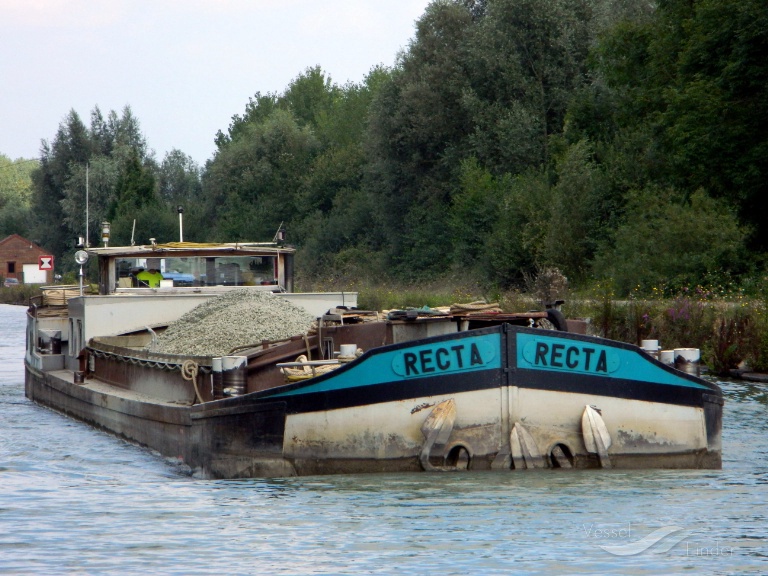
(74, 500)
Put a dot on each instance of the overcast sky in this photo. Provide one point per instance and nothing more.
(185, 67)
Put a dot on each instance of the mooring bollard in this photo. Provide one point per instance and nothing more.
(217, 380)
(667, 357)
(650, 347)
(687, 360)
(233, 370)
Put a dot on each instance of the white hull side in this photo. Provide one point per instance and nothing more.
(636, 427)
(392, 430)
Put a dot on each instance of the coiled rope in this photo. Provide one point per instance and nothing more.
(189, 372)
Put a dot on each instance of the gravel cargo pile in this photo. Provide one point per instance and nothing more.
(237, 318)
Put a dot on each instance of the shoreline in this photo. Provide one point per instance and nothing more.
(749, 376)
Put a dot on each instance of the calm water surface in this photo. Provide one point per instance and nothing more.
(75, 500)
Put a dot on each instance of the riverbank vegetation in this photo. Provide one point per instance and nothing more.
(621, 144)
(19, 295)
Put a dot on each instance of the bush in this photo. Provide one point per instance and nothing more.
(757, 344)
(668, 240)
(687, 322)
(18, 294)
(733, 339)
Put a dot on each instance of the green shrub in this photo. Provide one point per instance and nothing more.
(686, 322)
(669, 239)
(757, 355)
(18, 294)
(733, 339)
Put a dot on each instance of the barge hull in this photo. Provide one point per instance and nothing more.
(331, 425)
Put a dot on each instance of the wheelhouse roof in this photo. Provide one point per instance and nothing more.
(185, 249)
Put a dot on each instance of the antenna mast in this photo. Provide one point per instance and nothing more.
(87, 236)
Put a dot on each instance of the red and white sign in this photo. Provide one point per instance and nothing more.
(45, 263)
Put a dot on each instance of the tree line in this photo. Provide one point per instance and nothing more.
(604, 138)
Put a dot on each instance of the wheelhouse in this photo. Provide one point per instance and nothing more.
(195, 266)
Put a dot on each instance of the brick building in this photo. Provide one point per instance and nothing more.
(21, 258)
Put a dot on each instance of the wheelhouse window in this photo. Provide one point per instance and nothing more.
(200, 270)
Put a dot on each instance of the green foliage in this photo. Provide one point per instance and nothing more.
(254, 182)
(757, 357)
(581, 212)
(473, 213)
(135, 185)
(667, 240)
(145, 221)
(414, 137)
(18, 295)
(687, 321)
(623, 320)
(15, 195)
(179, 179)
(256, 111)
(69, 148)
(515, 244)
(102, 177)
(109, 161)
(684, 321)
(179, 184)
(733, 339)
(694, 73)
(717, 118)
(524, 60)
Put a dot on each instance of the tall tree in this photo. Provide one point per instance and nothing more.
(15, 195)
(102, 136)
(416, 137)
(257, 110)
(71, 147)
(126, 134)
(525, 59)
(309, 97)
(179, 184)
(337, 218)
(136, 200)
(717, 115)
(178, 178)
(252, 183)
(582, 216)
(97, 180)
(681, 95)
